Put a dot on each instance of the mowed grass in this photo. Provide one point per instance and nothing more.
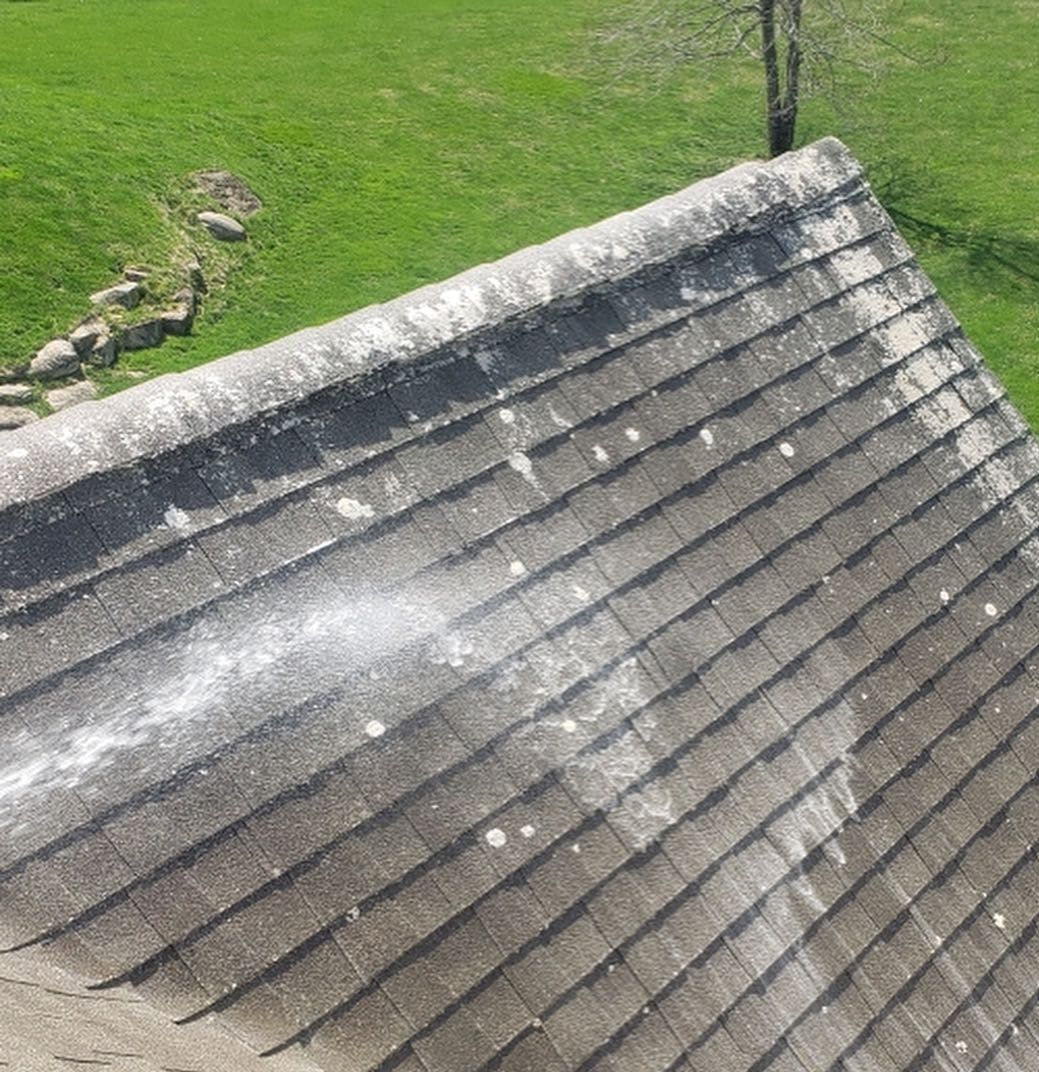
(395, 143)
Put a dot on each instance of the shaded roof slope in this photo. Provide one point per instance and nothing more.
(619, 657)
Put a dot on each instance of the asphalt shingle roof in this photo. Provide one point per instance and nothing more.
(621, 657)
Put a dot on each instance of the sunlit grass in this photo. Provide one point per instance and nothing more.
(396, 143)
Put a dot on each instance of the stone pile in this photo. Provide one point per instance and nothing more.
(96, 341)
(103, 335)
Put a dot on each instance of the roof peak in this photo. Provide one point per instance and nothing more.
(177, 409)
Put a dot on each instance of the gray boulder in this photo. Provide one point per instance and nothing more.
(103, 351)
(177, 320)
(193, 272)
(135, 275)
(186, 296)
(58, 358)
(15, 417)
(63, 397)
(86, 334)
(14, 394)
(141, 336)
(221, 226)
(126, 294)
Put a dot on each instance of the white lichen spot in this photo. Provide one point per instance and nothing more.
(374, 728)
(569, 725)
(527, 831)
(507, 416)
(599, 454)
(633, 434)
(582, 593)
(18, 452)
(576, 847)
(990, 610)
(707, 436)
(944, 596)
(557, 420)
(353, 509)
(522, 465)
(961, 1046)
(496, 837)
(176, 518)
(516, 568)
(786, 449)
(999, 920)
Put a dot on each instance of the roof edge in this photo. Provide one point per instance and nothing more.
(177, 409)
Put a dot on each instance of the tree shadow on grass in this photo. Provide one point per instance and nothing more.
(985, 250)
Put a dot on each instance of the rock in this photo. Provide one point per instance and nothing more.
(126, 294)
(221, 226)
(13, 372)
(86, 334)
(178, 320)
(186, 296)
(103, 352)
(229, 192)
(141, 336)
(196, 280)
(16, 417)
(58, 358)
(63, 397)
(135, 275)
(14, 394)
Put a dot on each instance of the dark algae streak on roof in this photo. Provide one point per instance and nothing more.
(620, 657)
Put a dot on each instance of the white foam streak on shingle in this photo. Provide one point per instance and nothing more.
(944, 947)
(212, 669)
(603, 779)
(818, 815)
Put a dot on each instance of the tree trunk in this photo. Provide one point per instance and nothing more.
(779, 137)
(791, 95)
(782, 87)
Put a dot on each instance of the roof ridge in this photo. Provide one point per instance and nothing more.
(181, 408)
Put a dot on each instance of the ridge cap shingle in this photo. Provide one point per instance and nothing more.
(177, 409)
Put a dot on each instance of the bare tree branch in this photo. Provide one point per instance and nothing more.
(803, 45)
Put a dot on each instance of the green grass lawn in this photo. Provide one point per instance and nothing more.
(395, 143)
